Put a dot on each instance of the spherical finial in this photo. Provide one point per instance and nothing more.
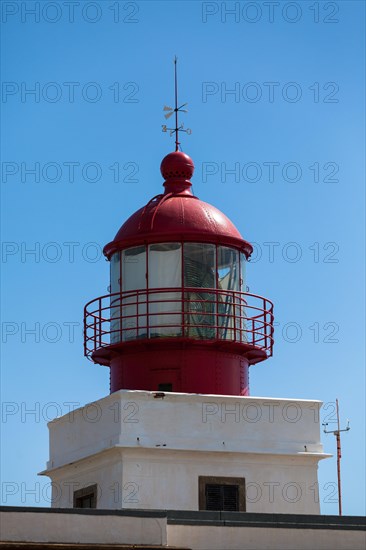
(177, 165)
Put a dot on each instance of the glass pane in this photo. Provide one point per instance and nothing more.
(228, 281)
(243, 278)
(243, 288)
(131, 307)
(165, 308)
(200, 305)
(134, 268)
(199, 265)
(165, 265)
(115, 309)
(115, 273)
(228, 268)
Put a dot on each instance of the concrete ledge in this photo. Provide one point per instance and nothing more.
(50, 525)
(69, 546)
(67, 528)
(87, 511)
(203, 517)
(241, 537)
(283, 521)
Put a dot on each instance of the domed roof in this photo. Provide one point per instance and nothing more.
(177, 215)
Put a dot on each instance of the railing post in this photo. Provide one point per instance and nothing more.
(100, 322)
(272, 329)
(217, 313)
(137, 314)
(234, 315)
(85, 340)
(243, 318)
(120, 316)
(183, 307)
(147, 313)
(265, 323)
(95, 333)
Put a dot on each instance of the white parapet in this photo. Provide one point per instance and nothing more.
(147, 450)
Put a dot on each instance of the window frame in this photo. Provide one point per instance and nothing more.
(80, 494)
(219, 480)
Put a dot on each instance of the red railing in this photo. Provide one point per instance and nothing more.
(198, 313)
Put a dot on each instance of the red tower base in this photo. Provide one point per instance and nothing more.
(181, 370)
(184, 366)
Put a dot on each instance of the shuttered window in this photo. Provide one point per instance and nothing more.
(222, 497)
(86, 498)
(222, 493)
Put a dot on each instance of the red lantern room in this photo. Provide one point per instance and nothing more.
(177, 317)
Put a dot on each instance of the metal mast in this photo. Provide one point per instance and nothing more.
(337, 434)
(176, 109)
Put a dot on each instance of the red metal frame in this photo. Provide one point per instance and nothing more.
(248, 321)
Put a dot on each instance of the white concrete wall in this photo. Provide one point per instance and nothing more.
(263, 538)
(59, 527)
(147, 453)
(274, 484)
(103, 470)
(78, 528)
(161, 479)
(188, 422)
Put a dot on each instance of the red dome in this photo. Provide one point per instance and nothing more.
(177, 215)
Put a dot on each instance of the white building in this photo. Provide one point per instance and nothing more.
(150, 450)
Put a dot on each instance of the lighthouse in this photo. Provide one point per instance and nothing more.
(178, 318)
(179, 331)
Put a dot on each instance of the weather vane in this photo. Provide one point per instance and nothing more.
(176, 110)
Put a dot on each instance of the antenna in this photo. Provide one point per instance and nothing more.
(176, 109)
(337, 434)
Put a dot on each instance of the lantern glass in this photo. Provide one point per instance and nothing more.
(165, 271)
(178, 289)
(228, 280)
(199, 305)
(134, 268)
(133, 318)
(165, 265)
(228, 268)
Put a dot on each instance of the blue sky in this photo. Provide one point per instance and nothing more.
(274, 96)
